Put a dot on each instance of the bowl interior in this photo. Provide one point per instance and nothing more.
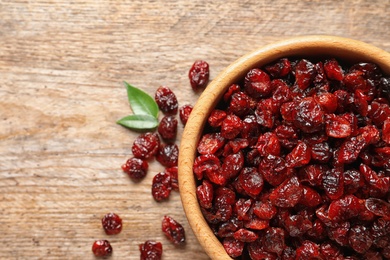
(309, 46)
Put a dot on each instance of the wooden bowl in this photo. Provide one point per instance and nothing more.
(307, 46)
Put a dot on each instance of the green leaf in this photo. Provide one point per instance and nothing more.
(139, 122)
(140, 102)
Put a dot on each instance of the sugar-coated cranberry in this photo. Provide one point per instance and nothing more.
(112, 224)
(102, 248)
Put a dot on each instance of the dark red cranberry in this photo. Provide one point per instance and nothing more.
(308, 116)
(167, 128)
(304, 74)
(101, 248)
(333, 70)
(112, 224)
(173, 230)
(184, 113)
(151, 250)
(173, 172)
(231, 126)
(161, 186)
(135, 168)
(281, 68)
(166, 100)
(216, 117)
(146, 145)
(199, 74)
(257, 83)
(168, 155)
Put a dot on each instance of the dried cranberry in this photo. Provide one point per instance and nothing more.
(205, 165)
(168, 155)
(233, 246)
(337, 126)
(304, 74)
(378, 207)
(245, 235)
(359, 238)
(205, 194)
(216, 117)
(268, 143)
(287, 194)
(333, 183)
(280, 68)
(234, 88)
(151, 250)
(257, 83)
(231, 126)
(166, 100)
(232, 164)
(251, 181)
(184, 113)
(241, 104)
(210, 143)
(264, 210)
(135, 168)
(308, 250)
(112, 224)
(274, 240)
(299, 156)
(327, 101)
(333, 70)
(146, 145)
(173, 230)
(161, 186)
(173, 172)
(199, 74)
(308, 116)
(167, 128)
(101, 248)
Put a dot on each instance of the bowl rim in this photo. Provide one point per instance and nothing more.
(311, 45)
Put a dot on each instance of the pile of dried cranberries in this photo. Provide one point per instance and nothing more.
(294, 162)
(161, 146)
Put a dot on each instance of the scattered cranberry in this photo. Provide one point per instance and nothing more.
(168, 155)
(199, 74)
(146, 145)
(161, 186)
(112, 224)
(173, 230)
(151, 250)
(167, 128)
(184, 113)
(173, 172)
(166, 100)
(135, 168)
(294, 163)
(101, 248)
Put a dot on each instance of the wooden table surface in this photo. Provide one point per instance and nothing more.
(62, 64)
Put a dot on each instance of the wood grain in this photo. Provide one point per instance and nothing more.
(61, 70)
